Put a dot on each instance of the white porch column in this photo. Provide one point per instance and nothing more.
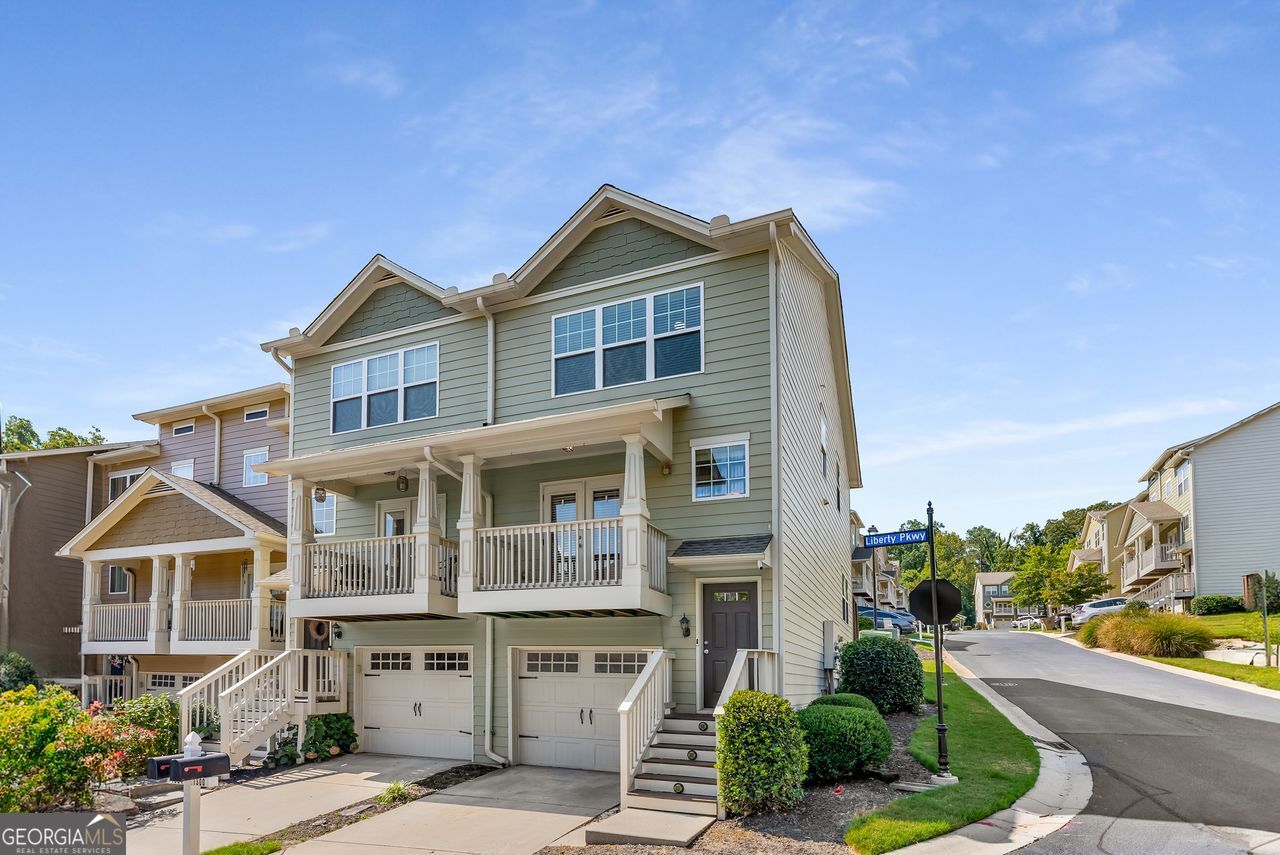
(427, 533)
(301, 534)
(635, 516)
(260, 600)
(183, 567)
(470, 518)
(159, 612)
(92, 596)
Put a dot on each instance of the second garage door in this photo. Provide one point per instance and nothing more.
(418, 701)
(567, 711)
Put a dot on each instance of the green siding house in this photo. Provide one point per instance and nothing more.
(557, 519)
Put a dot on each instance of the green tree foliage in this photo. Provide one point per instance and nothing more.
(1073, 587)
(913, 557)
(21, 435)
(17, 672)
(61, 437)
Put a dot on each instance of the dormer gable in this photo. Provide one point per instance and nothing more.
(382, 297)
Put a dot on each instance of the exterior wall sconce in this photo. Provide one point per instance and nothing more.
(402, 483)
(320, 495)
(684, 625)
(666, 469)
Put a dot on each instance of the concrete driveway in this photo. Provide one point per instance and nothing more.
(511, 812)
(257, 807)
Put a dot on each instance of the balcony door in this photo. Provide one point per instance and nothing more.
(395, 518)
(583, 554)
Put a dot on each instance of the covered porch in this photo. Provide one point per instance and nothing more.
(1153, 544)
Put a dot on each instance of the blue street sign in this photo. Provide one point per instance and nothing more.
(897, 538)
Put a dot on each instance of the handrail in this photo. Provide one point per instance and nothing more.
(751, 669)
(641, 712)
(210, 686)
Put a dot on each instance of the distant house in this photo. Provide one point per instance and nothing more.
(1102, 544)
(993, 600)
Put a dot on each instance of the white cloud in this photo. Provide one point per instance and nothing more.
(372, 75)
(1080, 18)
(1117, 73)
(998, 433)
(300, 238)
(1097, 280)
(775, 162)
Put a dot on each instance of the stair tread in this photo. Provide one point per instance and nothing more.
(710, 733)
(682, 746)
(679, 797)
(672, 761)
(663, 776)
(690, 716)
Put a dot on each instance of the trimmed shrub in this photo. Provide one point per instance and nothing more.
(1136, 607)
(865, 623)
(760, 753)
(156, 713)
(843, 741)
(845, 699)
(1216, 604)
(886, 672)
(17, 672)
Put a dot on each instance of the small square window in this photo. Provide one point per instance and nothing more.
(346, 415)
(551, 662)
(448, 660)
(383, 372)
(347, 380)
(391, 660)
(575, 332)
(162, 681)
(677, 310)
(622, 322)
(575, 373)
(620, 662)
(383, 408)
(183, 469)
(720, 471)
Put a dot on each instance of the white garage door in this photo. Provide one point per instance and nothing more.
(568, 705)
(418, 701)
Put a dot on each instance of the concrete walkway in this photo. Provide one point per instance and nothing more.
(245, 811)
(515, 811)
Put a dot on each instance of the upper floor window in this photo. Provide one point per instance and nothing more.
(118, 482)
(183, 468)
(401, 386)
(252, 457)
(324, 514)
(256, 413)
(184, 429)
(117, 580)
(1168, 487)
(822, 441)
(720, 468)
(632, 341)
(839, 489)
(1183, 474)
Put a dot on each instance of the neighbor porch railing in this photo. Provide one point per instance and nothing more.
(276, 621)
(641, 712)
(217, 620)
(106, 689)
(367, 566)
(549, 555)
(1167, 588)
(121, 622)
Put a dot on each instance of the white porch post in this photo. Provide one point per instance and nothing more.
(92, 597)
(301, 534)
(260, 600)
(635, 516)
(427, 533)
(159, 612)
(183, 568)
(470, 518)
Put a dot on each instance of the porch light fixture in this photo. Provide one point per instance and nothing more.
(320, 494)
(402, 483)
(567, 449)
(684, 625)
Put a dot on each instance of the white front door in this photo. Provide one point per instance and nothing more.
(418, 701)
(567, 712)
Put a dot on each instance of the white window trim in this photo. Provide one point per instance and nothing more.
(190, 461)
(695, 445)
(363, 395)
(649, 338)
(125, 473)
(246, 472)
(125, 574)
(331, 497)
(265, 409)
(182, 427)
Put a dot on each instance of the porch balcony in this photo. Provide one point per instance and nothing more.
(1144, 565)
(400, 574)
(124, 628)
(863, 584)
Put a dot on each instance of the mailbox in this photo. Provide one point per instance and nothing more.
(204, 766)
(158, 767)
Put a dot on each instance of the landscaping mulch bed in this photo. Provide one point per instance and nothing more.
(814, 827)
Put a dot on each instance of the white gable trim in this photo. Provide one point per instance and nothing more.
(378, 273)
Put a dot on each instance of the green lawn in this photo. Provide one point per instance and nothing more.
(1268, 678)
(995, 762)
(1240, 625)
(259, 847)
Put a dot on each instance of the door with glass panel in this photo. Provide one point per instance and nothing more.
(395, 519)
(584, 547)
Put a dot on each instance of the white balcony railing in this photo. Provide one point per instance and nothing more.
(121, 622)
(1163, 591)
(106, 689)
(549, 555)
(276, 621)
(362, 567)
(447, 567)
(657, 559)
(217, 620)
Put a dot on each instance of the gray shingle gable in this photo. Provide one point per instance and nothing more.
(619, 248)
(390, 307)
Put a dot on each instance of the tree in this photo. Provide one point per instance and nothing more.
(1073, 587)
(1030, 584)
(17, 672)
(61, 437)
(19, 435)
(912, 556)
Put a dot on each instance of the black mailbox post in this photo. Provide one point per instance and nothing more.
(183, 769)
(158, 767)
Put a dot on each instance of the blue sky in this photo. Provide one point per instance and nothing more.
(1055, 224)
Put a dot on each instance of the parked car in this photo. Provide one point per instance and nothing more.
(1026, 622)
(1084, 613)
(902, 620)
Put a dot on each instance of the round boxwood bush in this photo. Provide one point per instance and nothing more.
(1216, 604)
(843, 741)
(886, 672)
(845, 699)
(760, 753)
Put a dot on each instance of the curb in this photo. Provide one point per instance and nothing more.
(1181, 672)
(1062, 789)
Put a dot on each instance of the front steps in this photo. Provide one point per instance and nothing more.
(677, 773)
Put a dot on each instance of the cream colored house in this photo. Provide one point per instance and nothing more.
(1102, 544)
(993, 600)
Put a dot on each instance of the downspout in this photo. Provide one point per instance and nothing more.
(288, 369)
(88, 492)
(775, 276)
(217, 445)
(488, 696)
(491, 359)
(434, 461)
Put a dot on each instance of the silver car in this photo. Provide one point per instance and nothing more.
(1083, 614)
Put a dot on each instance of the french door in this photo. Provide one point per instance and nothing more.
(587, 550)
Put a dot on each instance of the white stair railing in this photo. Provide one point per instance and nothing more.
(751, 669)
(198, 703)
(276, 620)
(641, 712)
(216, 620)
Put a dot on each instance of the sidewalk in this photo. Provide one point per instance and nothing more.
(238, 812)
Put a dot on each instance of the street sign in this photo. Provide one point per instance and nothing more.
(897, 538)
(920, 602)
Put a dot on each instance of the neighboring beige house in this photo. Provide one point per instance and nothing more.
(1206, 517)
(45, 497)
(993, 600)
(1102, 544)
(576, 508)
(863, 571)
(176, 568)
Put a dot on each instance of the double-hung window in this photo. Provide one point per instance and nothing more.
(324, 514)
(720, 468)
(630, 341)
(251, 457)
(118, 482)
(1183, 473)
(385, 389)
(117, 580)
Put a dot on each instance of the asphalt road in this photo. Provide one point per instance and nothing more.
(1179, 765)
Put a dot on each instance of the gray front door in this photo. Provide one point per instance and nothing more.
(730, 622)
